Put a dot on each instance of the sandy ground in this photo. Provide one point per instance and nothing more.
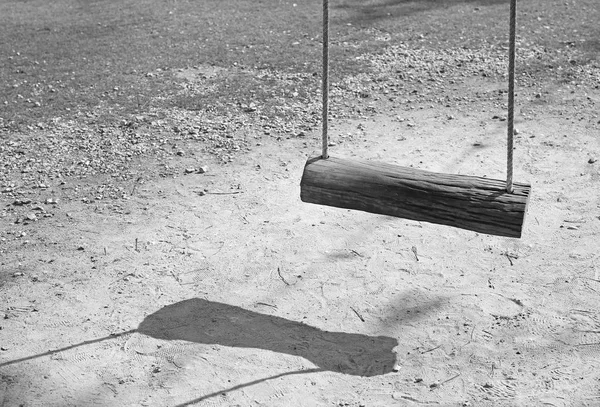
(224, 289)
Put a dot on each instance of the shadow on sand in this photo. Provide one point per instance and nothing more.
(208, 322)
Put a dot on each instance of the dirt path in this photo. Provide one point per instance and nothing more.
(223, 288)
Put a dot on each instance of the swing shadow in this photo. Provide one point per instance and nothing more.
(208, 322)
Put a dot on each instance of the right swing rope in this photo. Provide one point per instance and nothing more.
(511, 95)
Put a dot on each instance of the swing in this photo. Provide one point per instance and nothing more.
(474, 203)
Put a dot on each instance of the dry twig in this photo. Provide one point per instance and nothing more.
(357, 314)
(281, 277)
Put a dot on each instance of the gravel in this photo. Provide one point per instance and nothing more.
(50, 154)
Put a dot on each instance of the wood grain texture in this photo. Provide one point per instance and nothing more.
(473, 203)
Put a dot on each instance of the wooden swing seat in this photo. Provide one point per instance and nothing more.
(467, 202)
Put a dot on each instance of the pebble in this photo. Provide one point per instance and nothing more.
(21, 202)
(592, 160)
(202, 170)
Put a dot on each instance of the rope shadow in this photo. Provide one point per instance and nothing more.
(208, 322)
(248, 384)
(66, 348)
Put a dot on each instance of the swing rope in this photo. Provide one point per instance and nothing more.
(511, 89)
(325, 84)
(511, 96)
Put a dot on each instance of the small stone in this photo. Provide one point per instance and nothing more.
(18, 274)
(516, 131)
(31, 217)
(189, 170)
(202, 170)
(249, 108)
(51, 201)
(592, 160)
(3, 348)
(181, 153)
